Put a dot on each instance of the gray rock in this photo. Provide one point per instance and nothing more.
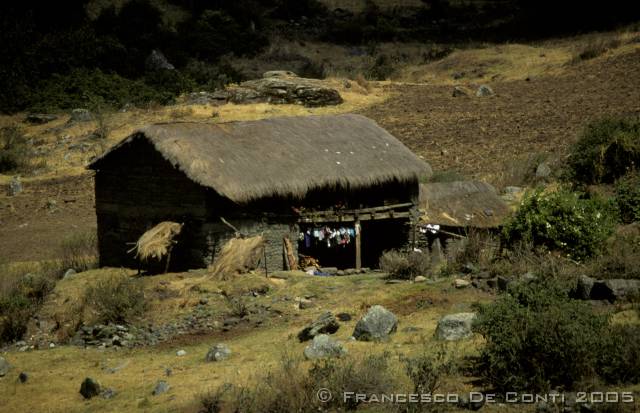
(343, 316)
(23, 377)
(69, 274)
(217, 353)
(614, 290)
(40, 118)
(420, 279)
(304, 303)
(81, 115)
(377, 324)
(285, 90)
(15, 186)
(484, 90)
(324, 346)
(161, 387)
(4, 367)
(543, 170)
(278, 73)
(460, 283)
(181, 353)
(109, 394)
(157, 61)
(89, 388)
(325, 324)
(455, 326)
(459, 92)
(329, 270)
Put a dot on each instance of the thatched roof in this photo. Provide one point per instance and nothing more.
(462, 204)
(285, 156)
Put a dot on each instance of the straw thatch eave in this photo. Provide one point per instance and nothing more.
(284, 157)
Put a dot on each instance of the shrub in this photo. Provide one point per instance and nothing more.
(620, 259)
(606, 150)
(427, 369)
(117, 299)
(21, 294)
(538, 339)
(562, 221)
(627, 191)
(596, 48)
(620, 355)
(381, 69)
(405, 265)
(15, 154)
(79, 251)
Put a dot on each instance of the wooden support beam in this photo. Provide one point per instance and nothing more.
(358, 244)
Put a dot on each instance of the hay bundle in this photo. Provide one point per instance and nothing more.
(158, 241)
(238, 256)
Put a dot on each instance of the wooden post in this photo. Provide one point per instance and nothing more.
(358, 245)
(266, 269)
(166, 267)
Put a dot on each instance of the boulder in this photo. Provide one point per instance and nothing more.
(217, 353)
(23, 377)
(324, 346)
(325, 324)
(81, 115)
(420, 279)
(484, 90)
(161, 387)
(278, 73)
(15, 186)
(460, 283)
(543, 170)
(4, 367)
(614, 290)
(455, 326)
(377, 324)
(459, 91)
(343, 316)
(584, 287)
(181, 353)
(157, 61)
(39, 118)
(89, 388)
(285, 90)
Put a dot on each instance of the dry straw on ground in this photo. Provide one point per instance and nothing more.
(158, 241)
(238, 256)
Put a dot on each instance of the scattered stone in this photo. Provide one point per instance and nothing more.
(40, 118)
(459, 91)
(340, 273)
(204, 301)
(420, 279)
(89, 388)
(325, 324)
(157, 61)
(161, 387)
(52, 345)
(484, 90)
(69, 274)
(304, 303)
(343, 317)
(217, 353)
(181, 353)
(23, 377)
(460, 283)
(15, 186)
(455, 326)
(543, 170)
(324, 346)
(81, 115)
(377, 324)
(109, 394)
(584, 287)
(168, 372)
(4, 367)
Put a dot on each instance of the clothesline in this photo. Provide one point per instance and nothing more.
(329, 236)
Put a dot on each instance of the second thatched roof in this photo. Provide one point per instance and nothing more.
(286, 156)
(462, 204)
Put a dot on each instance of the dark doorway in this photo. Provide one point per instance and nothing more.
(329, 249)
(382, 235)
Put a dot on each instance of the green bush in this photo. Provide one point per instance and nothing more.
(606, 150)
(405, 265)
(15, 154)
(562, 221)
(538, 339)
(619, 361)
(627, 191)
(117, 299)
(620, 258)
